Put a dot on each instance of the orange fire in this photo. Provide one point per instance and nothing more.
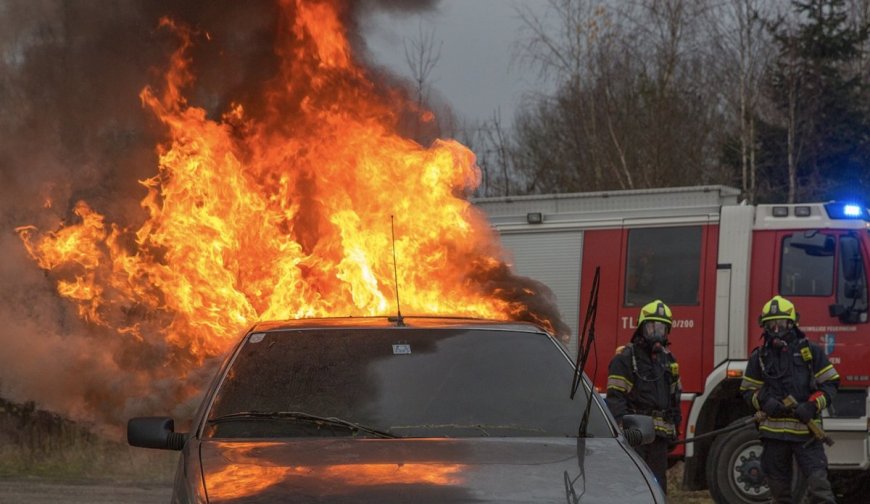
(286, 214)
(250, 473)
(235, 481)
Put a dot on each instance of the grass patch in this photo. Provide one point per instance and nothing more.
(36, 443)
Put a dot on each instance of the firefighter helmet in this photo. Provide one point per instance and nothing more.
(778, 308)
(655, 311)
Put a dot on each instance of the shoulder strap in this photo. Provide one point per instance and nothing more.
(807, 356)
(630, 348)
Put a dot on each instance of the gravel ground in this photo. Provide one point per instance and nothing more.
(36, 491)
(679, 496)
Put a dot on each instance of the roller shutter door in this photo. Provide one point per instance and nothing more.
(553, 258)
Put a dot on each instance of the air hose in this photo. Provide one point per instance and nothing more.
(748, 422)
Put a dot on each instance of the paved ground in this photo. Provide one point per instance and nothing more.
(35, 491)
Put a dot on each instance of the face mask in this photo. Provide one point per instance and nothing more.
(778, 331)
(655, 333)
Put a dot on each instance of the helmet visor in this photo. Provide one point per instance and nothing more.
(655, 330)
(777, 326)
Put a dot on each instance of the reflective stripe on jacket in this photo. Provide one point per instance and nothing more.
(799, 369)
(637, 383)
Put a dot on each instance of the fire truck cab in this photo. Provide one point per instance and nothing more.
(715, 261)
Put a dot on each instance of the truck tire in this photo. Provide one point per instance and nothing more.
(734, 472)
(851, 487)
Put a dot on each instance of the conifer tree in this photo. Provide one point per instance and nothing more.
(818, 144)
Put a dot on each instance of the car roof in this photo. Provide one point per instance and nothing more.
(384, 322)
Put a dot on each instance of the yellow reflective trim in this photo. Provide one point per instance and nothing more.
(616, 387)
(617, 377)
(829, 366)
(806, 354)
(829, 375)
(781, 431)
(788, 420)
(749, 385)
(753, 380)
(786, 425)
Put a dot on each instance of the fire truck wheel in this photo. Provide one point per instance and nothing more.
(851, 487)
(734, 472)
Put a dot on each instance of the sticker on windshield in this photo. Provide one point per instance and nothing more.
(402, 349)
(257, 337)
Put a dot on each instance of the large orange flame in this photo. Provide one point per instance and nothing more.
(283, 215)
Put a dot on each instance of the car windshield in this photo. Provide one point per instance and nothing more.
(400, 382)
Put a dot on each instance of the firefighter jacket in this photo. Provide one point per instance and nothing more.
(639, 382)
(799, 369)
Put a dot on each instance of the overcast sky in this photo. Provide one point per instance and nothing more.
(477, 73)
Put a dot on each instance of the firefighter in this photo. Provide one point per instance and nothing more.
(644, 378)
(791, 382)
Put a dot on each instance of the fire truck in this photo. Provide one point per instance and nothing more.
(715, 261)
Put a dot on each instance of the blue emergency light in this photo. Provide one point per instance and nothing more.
(840, 210)
(850, 210)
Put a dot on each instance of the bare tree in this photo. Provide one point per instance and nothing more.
(422, 55)
(740, 51)
(631, 109)
(431, 117)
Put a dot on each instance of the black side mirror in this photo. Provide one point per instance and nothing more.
(813, 243)
(850, 259)
(846, 315)
(154, 432)
(638, 429)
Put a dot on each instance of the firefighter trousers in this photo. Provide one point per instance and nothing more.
(776, 461)
(655, 455)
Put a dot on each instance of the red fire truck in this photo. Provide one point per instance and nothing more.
(715, 261)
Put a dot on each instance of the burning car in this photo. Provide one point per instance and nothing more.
(425, 410)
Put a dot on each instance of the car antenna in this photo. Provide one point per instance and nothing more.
(587, 339)
(400, 321)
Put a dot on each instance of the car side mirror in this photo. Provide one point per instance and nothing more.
(154, 432)
(638, 429)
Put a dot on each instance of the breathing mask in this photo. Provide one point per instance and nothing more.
(655, 334)
(778, 332)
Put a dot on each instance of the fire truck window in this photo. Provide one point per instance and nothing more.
(851, 281)
(806, 269)
(663, 263)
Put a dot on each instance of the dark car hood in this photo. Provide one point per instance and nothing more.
(423, 471)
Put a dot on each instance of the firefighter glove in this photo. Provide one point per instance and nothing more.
(806, 411)
(773, 407)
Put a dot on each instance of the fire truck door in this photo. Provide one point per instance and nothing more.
(823, 273)
(666, 263)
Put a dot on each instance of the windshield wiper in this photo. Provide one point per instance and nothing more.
(299, 416)
(584, 347)
(484, 428)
